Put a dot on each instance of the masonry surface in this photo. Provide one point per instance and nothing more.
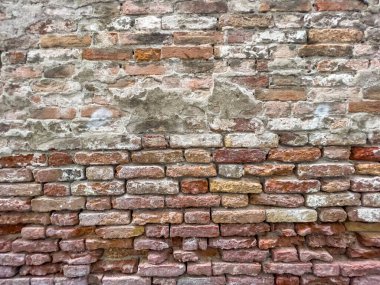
(204, 142)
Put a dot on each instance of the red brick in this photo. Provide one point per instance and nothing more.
(365, 153)
(97, 188)
(326, 269)
(211, 230)
(157, 231)
(207, 201)
(40, 270)
(251, 81)
(280, 94)
(57, 189)
(123, 266)
(244, 255)
(21, 160)
(199, 269)
(10, 229)
(21, 245)
(360, 267)
(24, 218)
(68, 232)
(314, 228)
(287, 280)
(239, 155)
(98, 203)
(340, 5)
(282, 200)
(37, 259)
(244, 230)
(107, 54)
(116, 232)
(166, 269)
(58, 174)
(194, 186)
(33, 232)
(145, 69)
(291, 186)
(187, 52)
(76, 245)
(193, 216)
(285, 254)
(291, 268)
(15, 204)
(232, 242)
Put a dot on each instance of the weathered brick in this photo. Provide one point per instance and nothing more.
(223, 216)
(370, 215)
(239, 155)
(364, 107)
(245, 21)
(152, 186)
(282, 200)
(20, 245)
(161, 156)
(234, 200)
(368, 168)
(58, 174)
(291, 186)
(290, 268)
(149, 54)
(211, 230)
(201, 140)
(114, 232)
(69, 41)
(331, 50)
(365, 153)
(235, 186)
(332, 199)
(100, 173)
(207, 200)
(325, 170)
(359, 184)
(280, 94)
(20, 189)
(334, 35)
(332, 214)
(187, 52)
(192, 170)
(128, 172)
(269, 169)
(92, 188)
(198, 156)
(104, 218)
(290, 215)
(22, 160)
(143, 217)
(47, 204)
(197, 37)
(15, 175)
(280, 6)
(194, 186)
(294, 154)
(167, 269)
(339, 5)
(99, 158)
(138, 202)
(251, 140)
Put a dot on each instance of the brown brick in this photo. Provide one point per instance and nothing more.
(106, 54)
(192, 170)
(201, 7)
(69, 41)
(334, 35)
(99, 158)
(285, 6)
(280, 94)
(325, 50)
(295, 154)
(364, 106)
(365, 153)
(187, 52)
(149, 54)
(198, 38)
(239, 155)
(245, 20)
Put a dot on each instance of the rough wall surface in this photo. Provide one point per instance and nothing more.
(189, 142)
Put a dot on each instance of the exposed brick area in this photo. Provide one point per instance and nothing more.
(186, 142)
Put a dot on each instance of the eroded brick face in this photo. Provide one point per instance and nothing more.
(188, 142)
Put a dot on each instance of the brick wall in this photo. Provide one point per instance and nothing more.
(207, 142)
